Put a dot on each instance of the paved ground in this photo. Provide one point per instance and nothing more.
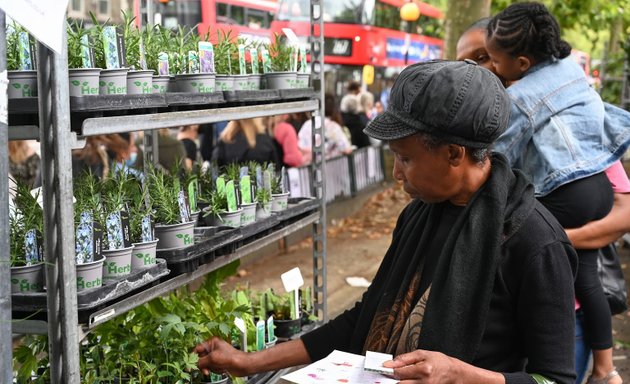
(356, 246)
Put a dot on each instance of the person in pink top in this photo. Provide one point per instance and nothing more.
(286, 140)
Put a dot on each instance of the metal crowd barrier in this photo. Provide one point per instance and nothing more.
(345, 175)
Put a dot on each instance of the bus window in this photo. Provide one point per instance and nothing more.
(291, 10)
(257, 19)
(237, 15)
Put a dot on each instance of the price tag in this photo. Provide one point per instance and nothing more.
(246, 190)
(292, 280)
(230, 193)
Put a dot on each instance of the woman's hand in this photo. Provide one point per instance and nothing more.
(218, 356)
(429, 367)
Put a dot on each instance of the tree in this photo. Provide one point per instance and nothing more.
(459, 15)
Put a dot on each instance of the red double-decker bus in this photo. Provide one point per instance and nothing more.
(247, 18)
(367, 32)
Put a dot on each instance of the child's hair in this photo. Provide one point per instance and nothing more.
(528, 29)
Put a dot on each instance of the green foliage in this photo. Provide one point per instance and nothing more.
(157, 39)
(87, 192)
(98, 47)
(217, 203)
(280, 55)
(27, 215)
(75, 33)
(13, 46)
(263, 196)
(225, 54)
(132, 37)
(233, 171)
(32, 356)
(163, 192)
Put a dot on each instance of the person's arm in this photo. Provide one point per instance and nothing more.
(513, 141)
(218, 356)
(436, 367)
(600, 233)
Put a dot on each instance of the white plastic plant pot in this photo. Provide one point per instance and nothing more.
(224, 83)
(303, 80)
(225, 219)
(28, 278)
(263, 211)
(281, 80)
(139, 82)
(194, 217)
(241, 82)
(117, 264)
(143, 255)
(113, 82)
(22, 84)
(160, 84)
(196, 82)
(90, 275)
(84, 81)
(279, 202)
(271, 343)
(172, 84)
(249, 214)
(175, 236)
(254, 82)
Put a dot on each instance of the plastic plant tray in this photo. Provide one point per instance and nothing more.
(297, 93)
(186, 98)
(99, 103)
(297, 207)
(258, 228)
(263, 95)
(95, 298)
(207, 241)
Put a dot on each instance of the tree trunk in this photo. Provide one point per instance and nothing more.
(459, 15)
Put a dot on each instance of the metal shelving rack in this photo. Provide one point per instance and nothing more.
(57, 140)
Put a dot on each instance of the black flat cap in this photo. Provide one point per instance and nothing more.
(457, 101)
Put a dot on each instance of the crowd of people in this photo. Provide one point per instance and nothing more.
(513, 163)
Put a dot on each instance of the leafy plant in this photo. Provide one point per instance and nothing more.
(27, 215)
(31, 356)
(96, 36)
(140, 206)
(163, 193)
(276, 184)
(157, 39)
(233, 171)
(76, 32)
(225, 54)
(280, 55)
(263, 196)
(132, 37)
(217, 204)
(87, 192)
(13, 46)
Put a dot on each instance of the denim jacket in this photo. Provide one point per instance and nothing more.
(560, 130)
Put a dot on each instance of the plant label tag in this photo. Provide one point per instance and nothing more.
(221, 185)
(206, 57)
(110, 47)
(266, 61)
(243, 171)
(122, 52)
(126, 228)
(143, 55)
(303, 64)
(147, 229)
(267, 181)
(307, 299)
(270, 329)
(374, 362)
(24, 45)
(284, 180)
(294, 58)
(292, 279)
(253, 54)
(193, 62)
(260, 335)
(192, 195)
(240, 325)
(241, 60)
(86, 52)
(184, 213)
(246, 190)
(114, 231)
(163, 64)
(31, 248)
(84, 240)
(230, 193)
(259, 177)
(293, 39)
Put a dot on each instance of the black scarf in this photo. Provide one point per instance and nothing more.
(458, 304)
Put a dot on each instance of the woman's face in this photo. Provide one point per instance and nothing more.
(472, 45)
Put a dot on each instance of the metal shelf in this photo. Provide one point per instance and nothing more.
(118, 124)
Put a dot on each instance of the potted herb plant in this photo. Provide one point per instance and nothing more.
(156, 43)
(117, 244)
(141, 226)
(83, 76)
(88, 224)
(225, 61)
(21, 72)
(173, 228)
(279, 195)
(139, 79)
(217, 212)
(281, 77)
(26, 223)
(112, 80)
(287, 323)
(190, 78)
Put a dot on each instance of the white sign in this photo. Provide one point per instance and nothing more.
(293, 39)
(292, 280)
(44, 19)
